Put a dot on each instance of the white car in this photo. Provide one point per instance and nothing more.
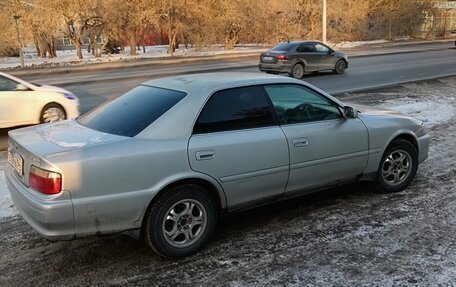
(23, 103)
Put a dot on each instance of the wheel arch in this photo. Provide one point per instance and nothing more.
(51, 104)
(374, 159)
(407, 137)
(216, 193)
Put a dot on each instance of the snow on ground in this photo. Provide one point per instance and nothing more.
(349, 45)
(69, 57)
(6, 205)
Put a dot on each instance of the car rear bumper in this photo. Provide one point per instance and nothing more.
(275, 67)
(50, 215)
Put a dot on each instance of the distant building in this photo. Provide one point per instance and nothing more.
(443, 20)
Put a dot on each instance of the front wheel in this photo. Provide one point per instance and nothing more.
(340, 67)
(180, 222)
(297, 71)
(398, 167)
(52, 113)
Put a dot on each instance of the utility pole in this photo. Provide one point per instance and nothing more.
(17, 17)
(323, 24)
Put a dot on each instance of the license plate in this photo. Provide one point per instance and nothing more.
(16, 161)
(267, 58)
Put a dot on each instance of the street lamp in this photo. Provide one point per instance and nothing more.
(17, 17)
(323, 23)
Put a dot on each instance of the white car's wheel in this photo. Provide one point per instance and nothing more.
(180, 222)
(52, 113)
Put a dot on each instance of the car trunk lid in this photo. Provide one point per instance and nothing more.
(271, 56)
(31, 146)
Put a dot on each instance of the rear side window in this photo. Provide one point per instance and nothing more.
(132, 112)
(7, 84)
(306, 48)
(284, 47)
(234, 109)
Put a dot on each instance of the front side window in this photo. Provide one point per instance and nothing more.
(234, 109)
(132, 112)
(298, 104)
(321, 48)
(7, 84)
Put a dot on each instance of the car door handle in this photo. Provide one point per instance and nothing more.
(300, 142)
(205, 154)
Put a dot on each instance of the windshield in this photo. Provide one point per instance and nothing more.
(284, 47)
(132, 112)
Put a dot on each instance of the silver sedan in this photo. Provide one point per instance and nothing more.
(174, 154)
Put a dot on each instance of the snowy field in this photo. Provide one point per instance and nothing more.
(349, 236)
(69, 58)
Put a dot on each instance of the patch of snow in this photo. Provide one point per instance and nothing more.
(348, 45)
(431, 111)
(69, 57)
(6, 204)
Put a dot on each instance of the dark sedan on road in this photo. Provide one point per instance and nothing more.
(300, 57)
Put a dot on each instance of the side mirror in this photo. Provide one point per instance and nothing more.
(20, 87)
(350, 113)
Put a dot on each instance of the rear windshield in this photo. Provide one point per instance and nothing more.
(284, 47)
(132, 112)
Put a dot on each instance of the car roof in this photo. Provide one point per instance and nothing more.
(211, 82)
(177, 123)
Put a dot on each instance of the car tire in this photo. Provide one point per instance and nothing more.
(340, 67)
(169, 226)
(297, 71)
(52, 113)
(397, 168)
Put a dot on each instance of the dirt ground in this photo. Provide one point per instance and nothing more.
(349, 236)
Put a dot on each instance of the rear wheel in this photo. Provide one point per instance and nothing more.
(180, 222)
(297, 71)
(52, 113)
(398, 167)
(340, 67)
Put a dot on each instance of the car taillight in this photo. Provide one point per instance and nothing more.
(281, 58)
(45, 181)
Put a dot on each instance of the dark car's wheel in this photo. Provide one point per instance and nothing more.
(297, 71)
(52, 113)
(340, 67)
(397, 167)
(180, 222)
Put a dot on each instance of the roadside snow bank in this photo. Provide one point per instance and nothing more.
(431, 111)
(69, 58)
(6, 204)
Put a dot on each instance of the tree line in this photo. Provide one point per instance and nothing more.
(202, 22)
